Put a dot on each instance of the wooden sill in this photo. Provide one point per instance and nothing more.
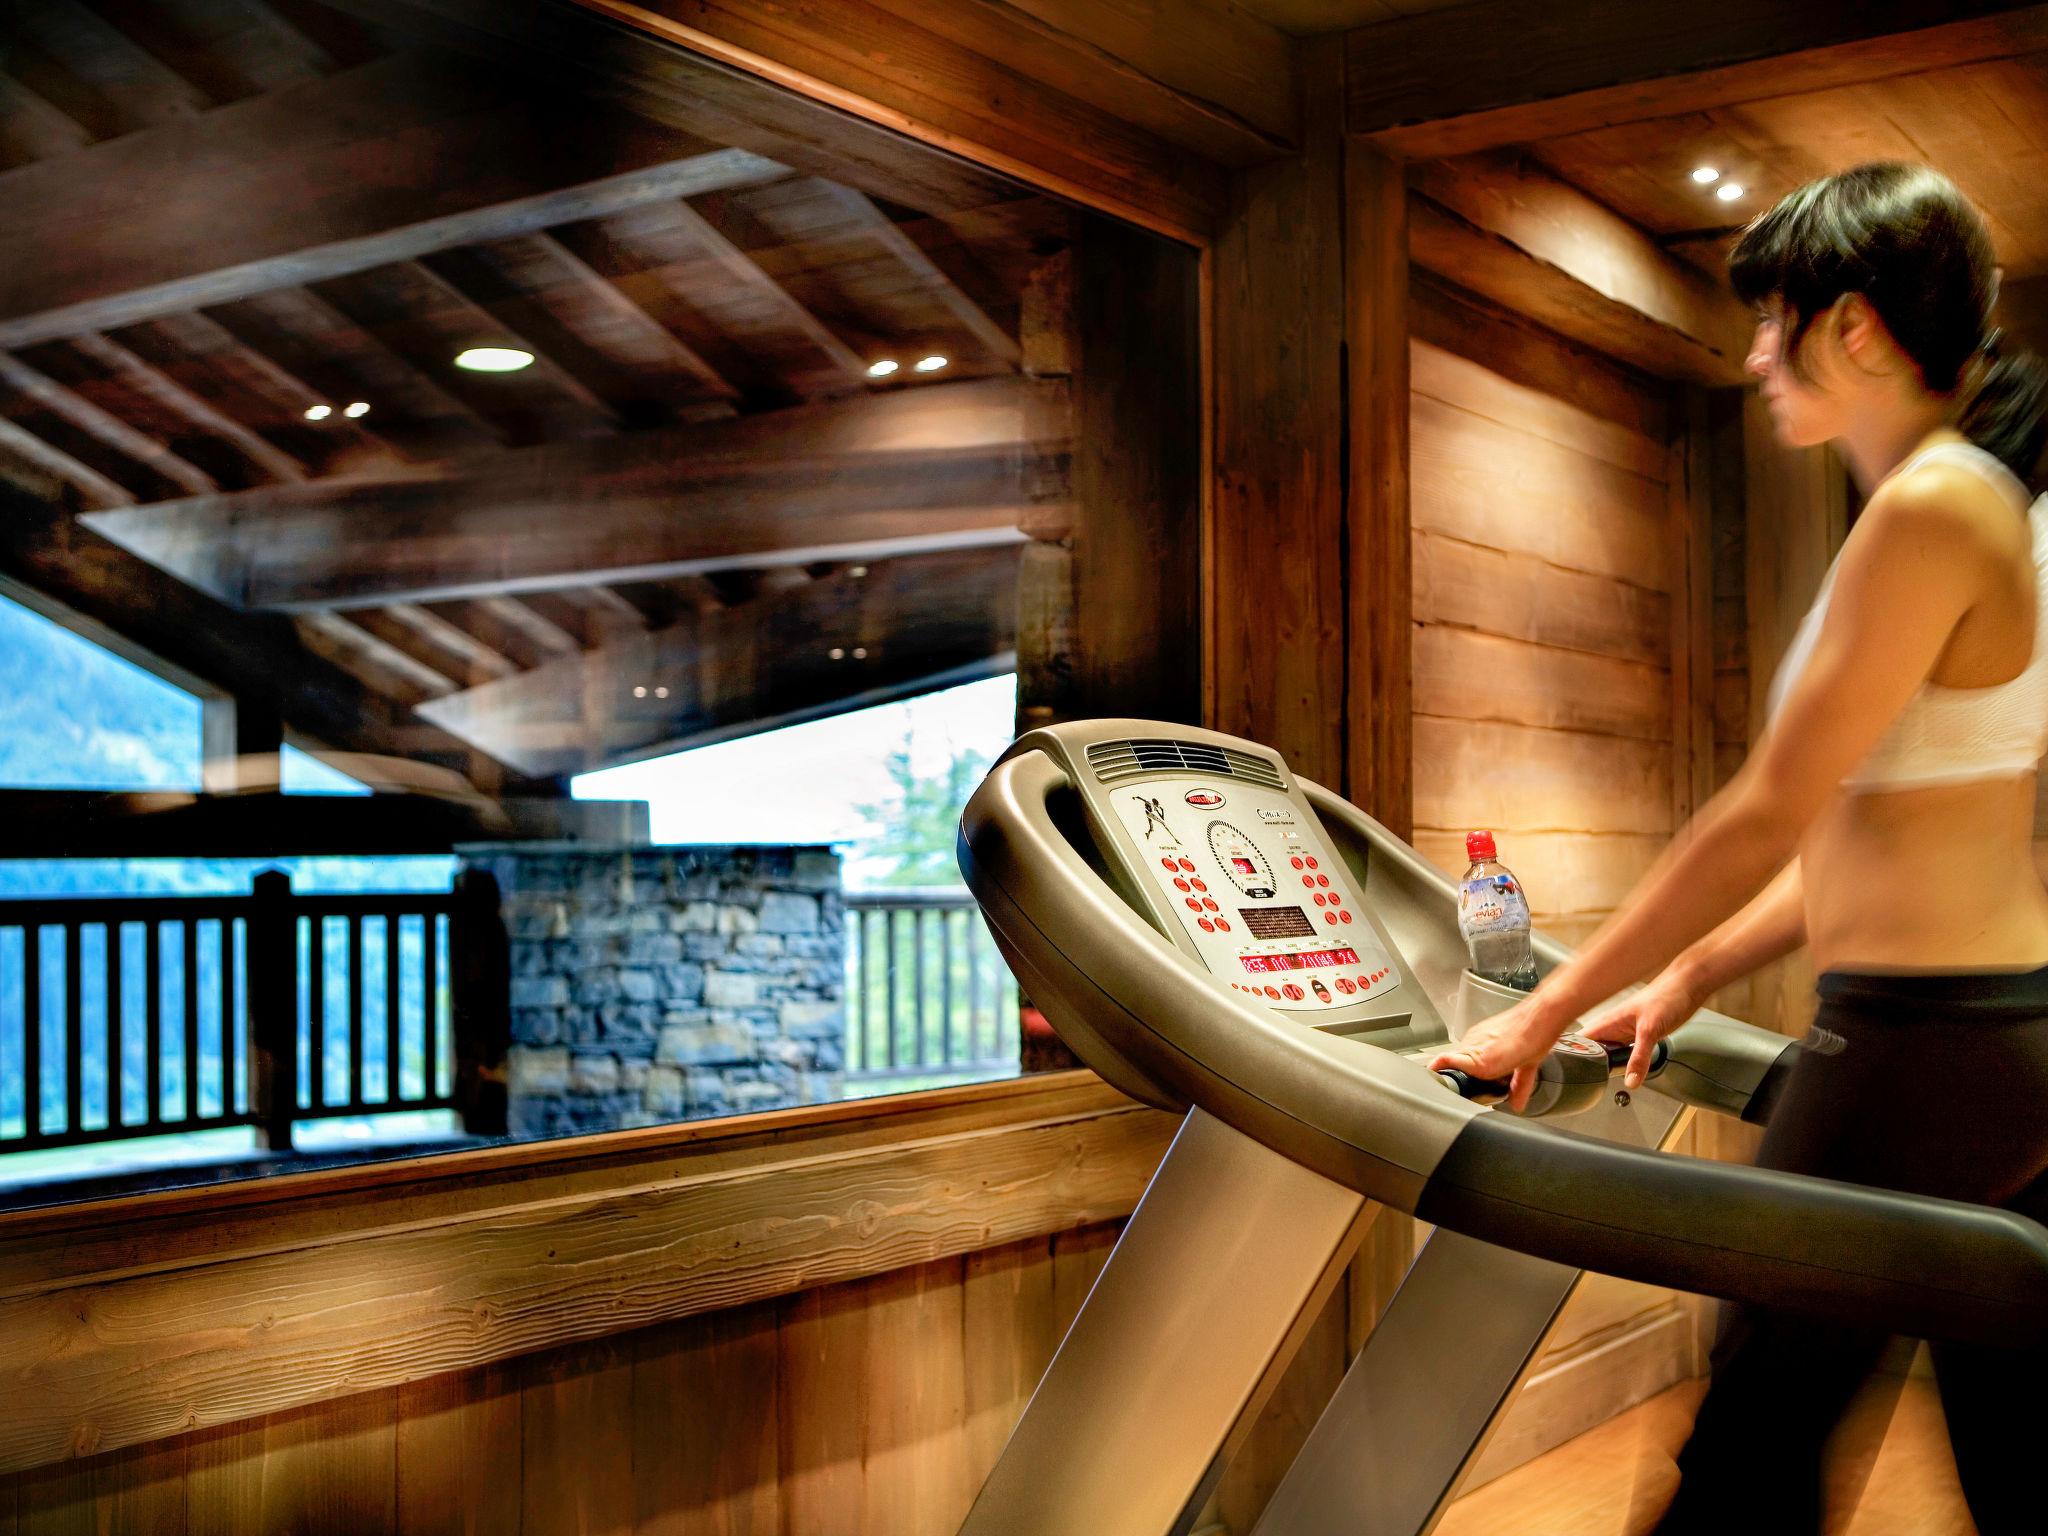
(129, 1319)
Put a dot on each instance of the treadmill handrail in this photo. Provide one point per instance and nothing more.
(1386, 1126)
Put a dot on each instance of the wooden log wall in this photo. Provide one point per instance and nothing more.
(1544, 590)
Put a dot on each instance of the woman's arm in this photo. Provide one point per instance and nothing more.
(1768, 927)
(1773, 924)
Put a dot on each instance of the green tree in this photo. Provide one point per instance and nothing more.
(919, 821)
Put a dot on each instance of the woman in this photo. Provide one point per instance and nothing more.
(1885, 819)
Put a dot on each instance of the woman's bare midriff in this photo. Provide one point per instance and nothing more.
(1932, 880)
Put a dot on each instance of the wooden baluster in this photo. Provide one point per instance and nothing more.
(273, 971)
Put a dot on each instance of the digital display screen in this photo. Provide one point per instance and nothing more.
(1277, 922)
(1303, 961)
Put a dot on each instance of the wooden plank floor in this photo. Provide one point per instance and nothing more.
(1616, 1479)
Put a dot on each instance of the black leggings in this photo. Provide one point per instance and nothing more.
(1935, 1085)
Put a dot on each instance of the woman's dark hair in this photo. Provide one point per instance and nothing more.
(1905, 238)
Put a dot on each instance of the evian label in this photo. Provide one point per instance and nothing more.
(1490, 903)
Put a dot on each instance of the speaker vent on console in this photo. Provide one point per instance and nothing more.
(1114, 760)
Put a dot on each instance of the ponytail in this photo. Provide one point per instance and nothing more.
(2007, 414)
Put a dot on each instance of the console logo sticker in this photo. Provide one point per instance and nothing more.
(1204, 799)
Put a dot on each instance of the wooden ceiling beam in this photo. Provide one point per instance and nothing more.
(862, 77)
(381, 163)
(450, 648)
(70, 406)
(227, 51)
(922, 622)
(1539, 247)
(1478, 77)
(925, 467)
(148, 382)
(530, 624)
(93, 72)
(257, 658)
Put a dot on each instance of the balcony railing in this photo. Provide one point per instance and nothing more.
(927, 993)
(124, 1017)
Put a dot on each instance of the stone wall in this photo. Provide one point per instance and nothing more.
(658, 984)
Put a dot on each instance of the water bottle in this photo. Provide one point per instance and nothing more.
(1493, 914)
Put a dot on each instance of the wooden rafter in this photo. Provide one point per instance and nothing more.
(227, 51)
(864, 477)
(384, 666)
(150, 383)
(303, 334)
(94, 488)
(862, 214)
(305, 185)
(32, 129)
(111, 431)
(474, 659)
(535, 627)
(741, 269)
(817, 648)
(93, 72)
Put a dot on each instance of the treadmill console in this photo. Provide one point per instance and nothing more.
(1247, 877)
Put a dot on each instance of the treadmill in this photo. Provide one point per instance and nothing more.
(1227, 941)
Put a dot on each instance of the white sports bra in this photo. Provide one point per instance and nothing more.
(1951, 735)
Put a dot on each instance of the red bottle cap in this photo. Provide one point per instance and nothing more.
(1479, 846)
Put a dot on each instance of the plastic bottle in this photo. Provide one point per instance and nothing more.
(1493, 915)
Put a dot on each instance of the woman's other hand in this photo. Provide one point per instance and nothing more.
(1509, 1045)
(1645, 1018)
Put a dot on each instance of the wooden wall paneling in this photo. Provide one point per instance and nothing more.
(1009, 1328)
(1495, 678)
(1277, 607)
(1525, 597)
(1497, 486)
(917, 1477)
(1689, 484)
(823, 1369)
(330, 1469)
(1378, 697)
(706, 1430)
(576, 1441)
(461, 1470)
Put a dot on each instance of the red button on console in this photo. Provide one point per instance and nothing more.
(1294, 992)
(1194, 903)
(1344, 916)
(1180, 882)
(1209, 902)
(1207, 926)
(1199, 885)
(1329, 917)
(1346, 985)
(1322, 880)
(1322, 900)
(1188, 865)
(1311, 862)
(1274, 993)
(1309, 881)
(1295, 861)
(1168, 863)
(1223, 923)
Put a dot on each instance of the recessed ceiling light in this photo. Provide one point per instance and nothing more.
(356, 409)
(493, 359)
(319, 412)
(661, 693)
(1728, 192)
(837, 653)
(640, 692)
(860, 653)
(1706, 175)
(856, 571)
(930, 364)
(884, 368)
